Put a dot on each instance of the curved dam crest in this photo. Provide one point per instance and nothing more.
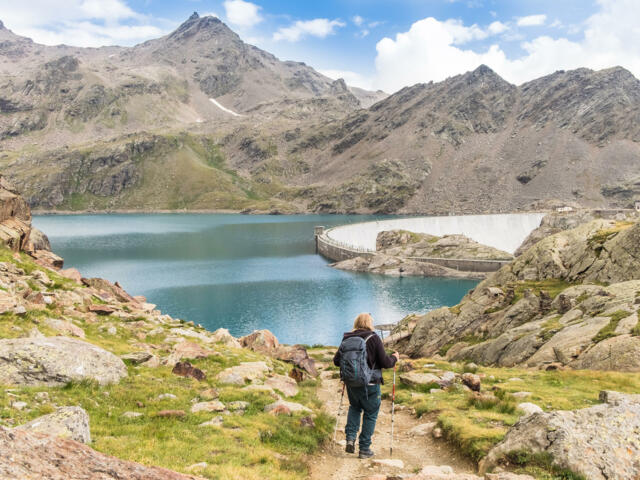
(503, 231)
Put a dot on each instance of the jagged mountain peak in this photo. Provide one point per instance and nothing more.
(483, 75)
(1, 25)
(204, 28)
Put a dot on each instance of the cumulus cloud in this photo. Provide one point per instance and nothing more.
(497, 27)
(241, 13)
(358, 20)
(319, 27)
(531, 21)
(435, 50)
(84, 23)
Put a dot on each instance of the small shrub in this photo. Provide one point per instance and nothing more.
(609, 330)
(542, 460)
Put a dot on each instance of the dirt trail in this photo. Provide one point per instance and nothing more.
(415, 451)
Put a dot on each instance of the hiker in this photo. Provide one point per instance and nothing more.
(361, 358)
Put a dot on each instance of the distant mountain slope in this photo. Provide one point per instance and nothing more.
(279, 136)
(77, 94)
(475, 143)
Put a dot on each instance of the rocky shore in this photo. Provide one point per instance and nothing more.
(90, 371)
(400, 253)
(569, 301)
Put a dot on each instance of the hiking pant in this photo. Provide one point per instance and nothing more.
(367, 404)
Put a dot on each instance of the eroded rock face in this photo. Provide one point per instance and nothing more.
(65, 422)
(608, 432)
(56, 361)
(37, 456)
(512, 319)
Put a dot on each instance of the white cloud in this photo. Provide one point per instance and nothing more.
(84, 23)
(433, 50)
(319, 27)
(497, 28)
(358, 20)
(241, 13)
(531, 21)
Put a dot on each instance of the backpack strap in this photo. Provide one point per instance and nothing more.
(365, 341)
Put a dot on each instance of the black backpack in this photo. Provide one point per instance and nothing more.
(354, 368)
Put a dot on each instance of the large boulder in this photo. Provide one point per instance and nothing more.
(56, 361)
(38, 240)
(66, 422)
(244, 372)
(262, 341)
(298, 356)
(608, 433)
(36, 456)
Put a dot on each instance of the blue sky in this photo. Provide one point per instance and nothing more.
(374, 43)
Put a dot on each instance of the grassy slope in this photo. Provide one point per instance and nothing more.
(255, 445)
(475, 426)
(184, 172)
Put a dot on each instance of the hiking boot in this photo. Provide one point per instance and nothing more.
(351, 446)
(366, 453)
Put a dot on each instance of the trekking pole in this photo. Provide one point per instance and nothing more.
(393, 409)
(335, 430)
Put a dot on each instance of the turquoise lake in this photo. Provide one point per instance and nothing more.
(240, 272)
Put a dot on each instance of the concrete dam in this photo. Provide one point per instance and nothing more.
(503, 231)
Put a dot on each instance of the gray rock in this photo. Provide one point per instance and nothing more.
(414, 379)
(132, 414)
(214, 422)
(67, 422)
(137, 358)
(616, 353)
(56, 361)
(609, 432)
(212, 406)
(19, 405)
(290, 406)
(529, 408)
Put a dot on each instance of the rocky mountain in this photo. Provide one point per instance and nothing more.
(280, 136)
(475, 143)
(569, 301)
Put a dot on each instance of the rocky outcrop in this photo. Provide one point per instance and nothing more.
(608, 432)
(65, 422)
(56, 361)
(597, 251)
(558, 222)
(549, 307)
(34, 455)
(393, 266)
(401, 253)
(15, 217)
(402, 243)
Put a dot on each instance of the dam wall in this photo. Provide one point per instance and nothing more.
(505, 232)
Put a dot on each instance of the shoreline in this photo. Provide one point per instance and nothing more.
(127, 211)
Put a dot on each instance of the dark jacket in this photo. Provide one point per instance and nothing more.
(376, 356)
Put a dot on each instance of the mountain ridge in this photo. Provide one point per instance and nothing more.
(294, 140)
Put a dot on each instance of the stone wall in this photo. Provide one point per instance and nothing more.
(465, 265)
(337, 252)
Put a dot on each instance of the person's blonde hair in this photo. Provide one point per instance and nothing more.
(364, 321)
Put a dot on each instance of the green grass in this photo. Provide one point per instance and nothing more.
(605, 234)
(254, 446)
(470, 339)
(474, 424)
(553, 287)
(551, 327)
(541, 465)
(608, 330)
